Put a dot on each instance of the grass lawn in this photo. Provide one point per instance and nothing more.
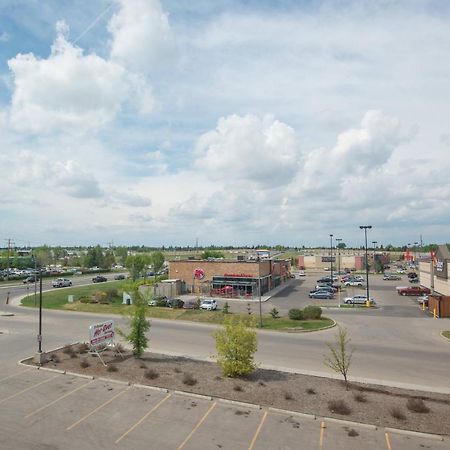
(446, 334)
(57, 299)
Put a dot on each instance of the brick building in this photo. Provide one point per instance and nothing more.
(229, 278)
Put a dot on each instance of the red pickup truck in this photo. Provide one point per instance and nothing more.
(413, 290)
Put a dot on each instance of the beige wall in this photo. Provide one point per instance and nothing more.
(441, 286)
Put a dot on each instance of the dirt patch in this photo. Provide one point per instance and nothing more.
(294, 392)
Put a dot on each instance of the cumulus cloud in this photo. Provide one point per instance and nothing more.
(141, 35)
(262, 150)
(71, 90)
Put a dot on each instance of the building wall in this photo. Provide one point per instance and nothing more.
(441, 285)
(184, 270)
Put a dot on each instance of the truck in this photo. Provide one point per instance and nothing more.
(413, 290)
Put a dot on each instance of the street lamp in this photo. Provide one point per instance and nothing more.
(415, 252)
(365, 228)
(374, 245)
(338, 240)
(331, 256)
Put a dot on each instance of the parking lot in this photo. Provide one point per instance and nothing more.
(47, 410)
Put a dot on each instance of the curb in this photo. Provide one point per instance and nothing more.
(48, 369)
(190, 394)
(367, 426)
(152, 388)
(442, 336)
(81, 375)
(292, 413)
(237, 403)
(310, 331)
(110, 380)
(436, 437)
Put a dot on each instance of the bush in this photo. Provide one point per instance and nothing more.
(288, 396)
(397, 413)
(236, 345)
(339, 407)
(312, 312)
(68, 349)
(151, 374)
(360, 397)
(237, 388)
(84, 363)
(226, 308)
(188, 379)
(98, 297)
(274, 313)
(112, 368)
(111, 294)
(84, 299)
(295, 314)
(311, 391)
(417, 405)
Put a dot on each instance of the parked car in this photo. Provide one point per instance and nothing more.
(391, 276)
(321, 293)
(414, 280)
(413, 290)
(61, 282)
(301, 273)
(119, 276)
(209, 304)
(412, 275)
(190, 304)
(423, 299)
(354, 283)
(99, 279)
(158, 301)
(358, 300)
(175, 303)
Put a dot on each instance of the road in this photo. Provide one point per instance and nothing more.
(395, 344)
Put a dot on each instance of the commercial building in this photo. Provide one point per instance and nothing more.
(229, 278)
(435, 275)
(345, 259)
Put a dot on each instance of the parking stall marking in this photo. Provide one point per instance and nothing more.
(28, 389)
(197, 426)
(143, 418)
(322, 432)
(258, 430)
(388, 441)
(15, 374)
(96, 410)
(58, 399)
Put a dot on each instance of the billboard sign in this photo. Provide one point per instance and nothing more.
(441, 262)
(101, 334)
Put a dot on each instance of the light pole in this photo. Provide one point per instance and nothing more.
(331, 256)
(338, 240)
(415, 252)
(374, 245)
(365, 228)
(260, 305)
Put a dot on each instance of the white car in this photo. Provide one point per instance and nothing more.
(301, 273)
(358, 300)
(354, 283)
(61, 282)
(209, 304)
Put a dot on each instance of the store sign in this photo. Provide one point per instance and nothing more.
(101, 333)
(238, 275)
(440, 265)
(328, 259)
(199, 274)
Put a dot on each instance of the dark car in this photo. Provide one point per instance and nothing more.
(175, 303)
(321, 294)
(189, 304)
(120, 276)
(99, 279)
(33, 279)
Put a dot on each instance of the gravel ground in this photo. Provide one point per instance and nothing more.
(295, 392)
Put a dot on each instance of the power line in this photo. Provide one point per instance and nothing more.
(92, 24)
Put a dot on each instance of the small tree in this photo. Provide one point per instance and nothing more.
(138, 324)
(274, 313)
(236, 345)
(341, 355)
(226, 308)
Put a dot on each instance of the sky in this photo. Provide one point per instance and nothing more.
(231, 122)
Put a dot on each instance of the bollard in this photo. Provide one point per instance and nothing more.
(368, 303)
(434, 313)
(423, 306)
(7, 298)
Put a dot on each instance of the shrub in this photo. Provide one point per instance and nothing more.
(288, 396)
(237, 388)
(111, 294)
(98, 297)
(226, 308)
(261, 383)
(311, 391)
(352, 433)
(142, 365)
(397, 413)
(84, 299)
(417, 405)
(73, 355)
(295, 314)
(151, 374)
(55, 358)
(177, 370)
(274, 313)
(83, 348)
(236, 345)
(360, 397)
(84, 363)
(67, 349)
(188, 379)
(112, 368)
(339, 407)
(312, 312)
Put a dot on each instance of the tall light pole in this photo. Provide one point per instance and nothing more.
(338, 240)
(374, 245)
(331, 256)
(365, 228)
(415, 252)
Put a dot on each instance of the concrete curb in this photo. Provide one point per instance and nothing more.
(436, 437)
(292, 413)
(81, 375)
(110, 380)
(191, 394)
(152, 388)
(48, 369)
(236, 403)
(309, 331)
(444, 337)
(367, 426)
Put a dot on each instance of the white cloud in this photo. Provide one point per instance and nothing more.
(71, 90)
(141, 36)
(262, 150)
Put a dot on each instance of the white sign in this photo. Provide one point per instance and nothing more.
(101, 333)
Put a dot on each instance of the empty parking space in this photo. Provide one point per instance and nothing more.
(47, 410)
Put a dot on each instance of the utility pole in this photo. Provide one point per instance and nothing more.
(10, 243)
(365, 228)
